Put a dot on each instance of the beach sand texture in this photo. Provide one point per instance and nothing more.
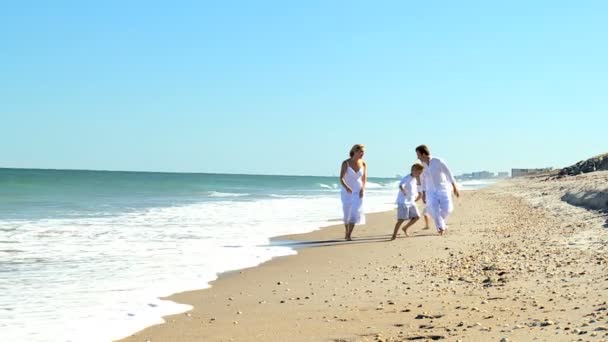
(518, 264)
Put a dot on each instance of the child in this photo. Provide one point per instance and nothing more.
(425, 211)
(426, 215)
(408, 195)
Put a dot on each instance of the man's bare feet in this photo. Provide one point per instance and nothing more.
(425, 228)
(405, 232)
(393, 237)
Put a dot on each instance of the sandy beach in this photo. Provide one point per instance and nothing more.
(519, 263)
(182, 171)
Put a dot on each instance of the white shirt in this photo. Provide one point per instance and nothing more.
(411, 190)
(436, 176)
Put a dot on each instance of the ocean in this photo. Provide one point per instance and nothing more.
(86, 255)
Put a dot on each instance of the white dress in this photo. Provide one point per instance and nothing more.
(352, 204)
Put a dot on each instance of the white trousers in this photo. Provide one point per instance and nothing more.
(440, 206)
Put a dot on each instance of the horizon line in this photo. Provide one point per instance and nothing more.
(172, 172)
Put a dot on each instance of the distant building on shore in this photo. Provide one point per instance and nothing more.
(503, 175)
(478, 175)
(526, 172)
(482, 175)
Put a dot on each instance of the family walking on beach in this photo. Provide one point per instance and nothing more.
(431, 180)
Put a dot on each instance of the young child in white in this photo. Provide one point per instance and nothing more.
(406, 200)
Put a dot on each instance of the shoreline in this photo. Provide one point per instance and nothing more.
(422, 287)
(294, 241)
(291, 241)
(288, 241)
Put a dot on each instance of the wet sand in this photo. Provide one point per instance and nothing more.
(518, 264)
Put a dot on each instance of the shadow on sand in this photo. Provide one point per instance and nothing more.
(336, 242)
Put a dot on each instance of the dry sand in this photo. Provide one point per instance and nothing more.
(518, 264)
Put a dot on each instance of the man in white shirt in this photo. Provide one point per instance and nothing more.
(437, 185)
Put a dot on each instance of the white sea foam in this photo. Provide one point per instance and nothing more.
(372, 185)
(224, 194)
(330, 187)
(98, 279)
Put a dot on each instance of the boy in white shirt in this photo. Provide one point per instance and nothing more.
(406, 200)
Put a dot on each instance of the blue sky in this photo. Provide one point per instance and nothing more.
(279, 87)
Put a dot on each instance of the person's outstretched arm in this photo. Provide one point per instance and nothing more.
(448, 173)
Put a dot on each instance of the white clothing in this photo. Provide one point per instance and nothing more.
(411, 190)
(439, 205)
(407, 211)
(437, 182)
(436, 176)
(352, 204)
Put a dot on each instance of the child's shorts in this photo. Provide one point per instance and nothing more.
(407, 211)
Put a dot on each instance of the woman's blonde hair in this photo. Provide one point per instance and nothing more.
(356, 148)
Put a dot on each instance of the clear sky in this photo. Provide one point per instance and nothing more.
(286, 87)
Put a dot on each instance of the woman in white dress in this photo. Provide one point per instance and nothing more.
(353, 176)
